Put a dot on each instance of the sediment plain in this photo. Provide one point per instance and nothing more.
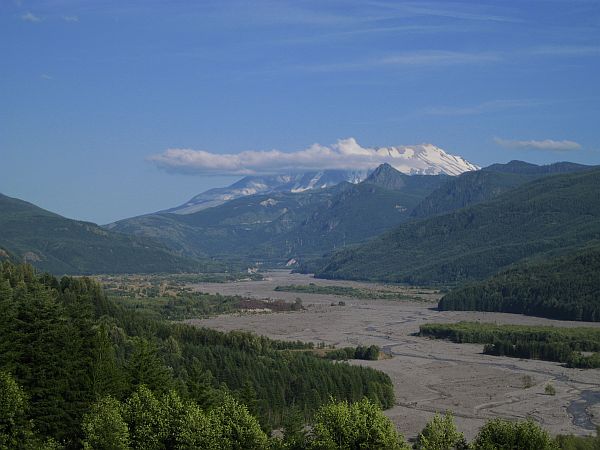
(429, 375)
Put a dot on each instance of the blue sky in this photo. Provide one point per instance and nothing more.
(90, 91)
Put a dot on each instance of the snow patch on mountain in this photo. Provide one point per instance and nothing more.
(424, 159)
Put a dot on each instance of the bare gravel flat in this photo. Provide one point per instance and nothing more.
(428, 375)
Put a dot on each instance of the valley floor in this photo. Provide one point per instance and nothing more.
(428, 375)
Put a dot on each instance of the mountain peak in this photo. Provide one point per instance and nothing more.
(424, 159)
(387, 177)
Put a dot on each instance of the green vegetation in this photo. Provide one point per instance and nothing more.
(482, 185)
(360, 425)
(165, 419)
(345, 291)
(189, 278)
(370, 353)
(548, 216)
(570, 442)
(66, 345)
(166, 297)
(147, 421)
(59, 245)
(564, 287)
(193, 305)
(441, 433)
(110, 377)
(504, 434)
(532, 342)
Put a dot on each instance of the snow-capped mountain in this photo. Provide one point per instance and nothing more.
(424, 159)
(265, 185)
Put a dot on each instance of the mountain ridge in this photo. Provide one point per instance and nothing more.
(281, 225)
(475, 187)
(549, 214)
(65, 246)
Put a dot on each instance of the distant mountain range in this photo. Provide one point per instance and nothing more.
(492, 226)
(390, 226)
(482, 185)
(64, 246)
(425, 159)
(281, 225)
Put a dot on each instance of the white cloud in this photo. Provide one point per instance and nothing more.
(30, 17)
(546, 144)
(71, 18)
(45, 76)
(345, 154)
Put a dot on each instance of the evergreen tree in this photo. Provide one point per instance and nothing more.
(145, 367)
(294, 434)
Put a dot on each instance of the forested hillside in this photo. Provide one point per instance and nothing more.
(564, 287)
(553, 214)
(59, 245)
(474, 187)
(66, 345)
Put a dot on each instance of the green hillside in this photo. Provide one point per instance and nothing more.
(58, 245)
(279, 226)
(549, 215)
(479, 186)
(565, 287)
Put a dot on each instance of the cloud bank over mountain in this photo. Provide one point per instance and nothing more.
(346, 154)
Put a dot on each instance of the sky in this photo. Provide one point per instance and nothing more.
(96, 97)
